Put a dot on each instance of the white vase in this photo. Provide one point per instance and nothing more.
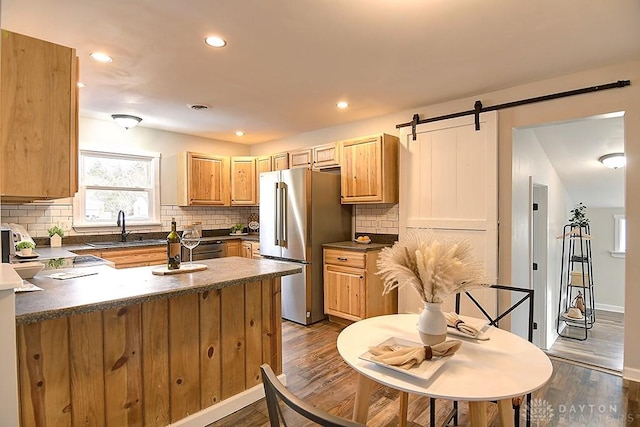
(55, 241)
(432, 325)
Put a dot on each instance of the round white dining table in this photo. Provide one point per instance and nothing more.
(497, 369)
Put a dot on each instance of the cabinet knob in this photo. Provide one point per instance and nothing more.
(362, 277)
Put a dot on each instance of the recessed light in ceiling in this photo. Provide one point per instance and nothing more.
(199, 107)
(101, 57)
(239, 133)
(342, 104)
(613, 160)
(215, 41)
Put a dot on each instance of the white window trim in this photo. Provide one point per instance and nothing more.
(618, 229)
(154, 193)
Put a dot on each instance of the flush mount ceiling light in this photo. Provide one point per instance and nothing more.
(101, 57)
(239, 133)
(215, 41)
(342, 104)
(126, 121)
(613, 160)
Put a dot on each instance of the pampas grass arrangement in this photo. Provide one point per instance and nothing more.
(435, 268)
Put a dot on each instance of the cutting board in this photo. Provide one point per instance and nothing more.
(184, 268)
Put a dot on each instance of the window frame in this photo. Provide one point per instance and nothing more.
(79, 213)
(619, 236)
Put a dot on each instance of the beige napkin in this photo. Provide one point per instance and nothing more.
(408, 357)
(454, 321)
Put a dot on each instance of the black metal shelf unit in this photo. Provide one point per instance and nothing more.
(576, 276)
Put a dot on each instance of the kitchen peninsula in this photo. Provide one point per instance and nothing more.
(126, 347)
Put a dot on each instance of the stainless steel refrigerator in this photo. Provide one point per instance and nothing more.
(300, 210)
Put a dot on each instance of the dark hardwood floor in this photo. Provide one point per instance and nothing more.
(603, 347)
(575, 395)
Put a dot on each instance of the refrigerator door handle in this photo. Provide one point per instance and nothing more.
(283, 211)
(276, 217)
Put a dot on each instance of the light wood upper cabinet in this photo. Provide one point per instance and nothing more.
(369, 169)
(280, 161)
(203, 179)
(326, 156)
(301, 158)
(263, 164)
(243, 181)
(38, 120)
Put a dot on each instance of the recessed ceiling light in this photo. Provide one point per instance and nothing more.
(101, 57)
(239, 133)
(215, 41)
(81, 85)
(342, 104)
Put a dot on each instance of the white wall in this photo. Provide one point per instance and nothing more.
(107, 135)
(608, 272)
(530, 160)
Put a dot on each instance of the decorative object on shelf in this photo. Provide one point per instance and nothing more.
(55, 236)
(25, 247)
(613, 160)
(126, 121)
(578, 302)
(578, 216)
(435, 268)
(253, 223)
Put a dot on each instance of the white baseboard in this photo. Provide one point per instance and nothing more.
(631, 374)
(607, 307)
(226, 407)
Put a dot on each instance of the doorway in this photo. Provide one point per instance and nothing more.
(556, 165)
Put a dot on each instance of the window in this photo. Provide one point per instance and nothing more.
(620, 237)
(111, 182)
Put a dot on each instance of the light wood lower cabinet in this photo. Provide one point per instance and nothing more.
(130, 257)
(351, 289)
(251, 250)
(233, 248)
(149, 364)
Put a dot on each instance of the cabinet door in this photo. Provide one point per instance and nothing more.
(280, 161)
(203, 179)
(38, 126)
(263, 164)
(344, 292)
(255, 250)
(246, 249)
(301, 158)
(233, 248)
(243, 181)
(362, 170)
(326, 156)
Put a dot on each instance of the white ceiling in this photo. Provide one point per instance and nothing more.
(574, 148)
(289, 61)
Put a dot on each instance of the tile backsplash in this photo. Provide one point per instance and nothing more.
(37, 218)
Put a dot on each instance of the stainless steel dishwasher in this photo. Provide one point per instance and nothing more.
(207, 249)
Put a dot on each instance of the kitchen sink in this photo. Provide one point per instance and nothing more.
(131, 243)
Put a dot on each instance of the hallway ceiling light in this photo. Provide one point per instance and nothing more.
(613, 160)
(126, 121)
(215, 41)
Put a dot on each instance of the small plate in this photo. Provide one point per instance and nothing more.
(362, 242)
(33, 255)
(423, 371)
(238, 234)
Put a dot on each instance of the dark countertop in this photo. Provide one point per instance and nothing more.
(353, 246)
(110, 288)
(86, 247)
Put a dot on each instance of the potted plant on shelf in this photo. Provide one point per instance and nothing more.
(25, 247)
(578, 216)
(55, 236)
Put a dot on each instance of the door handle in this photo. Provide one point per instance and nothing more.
(340, 258)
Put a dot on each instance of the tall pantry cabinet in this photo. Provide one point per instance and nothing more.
(38, 119)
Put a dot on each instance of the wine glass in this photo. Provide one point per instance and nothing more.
(190, 239)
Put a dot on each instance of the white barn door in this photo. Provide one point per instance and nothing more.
(449, 183)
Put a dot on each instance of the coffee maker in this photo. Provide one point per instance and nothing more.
(12, 234)
(7, 244)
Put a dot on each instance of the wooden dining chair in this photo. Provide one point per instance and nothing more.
(276, 393)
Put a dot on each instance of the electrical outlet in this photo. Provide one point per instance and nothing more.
(65, 225)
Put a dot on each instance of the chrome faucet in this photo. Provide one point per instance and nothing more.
(123, 233)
